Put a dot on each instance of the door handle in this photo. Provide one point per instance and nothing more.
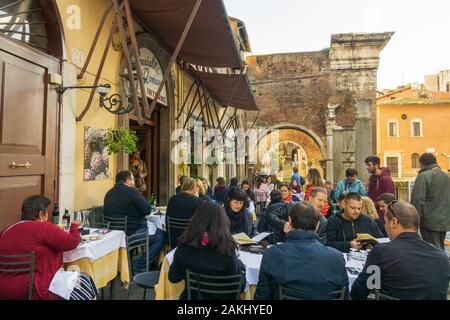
(14, 165)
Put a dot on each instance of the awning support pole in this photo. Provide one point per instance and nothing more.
(135, 52)
(175, 54)
(185, 101)
(126, 53)
(193, 106)
(97, 76)
(94, 43)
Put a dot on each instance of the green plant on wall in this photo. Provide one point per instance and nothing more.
(121, 139)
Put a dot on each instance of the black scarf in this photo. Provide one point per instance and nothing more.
(238, 223)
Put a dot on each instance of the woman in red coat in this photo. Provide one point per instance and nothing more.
(47, 240)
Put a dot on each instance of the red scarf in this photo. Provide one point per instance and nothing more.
(288, 199)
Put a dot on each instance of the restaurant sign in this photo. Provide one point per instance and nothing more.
(152, 74)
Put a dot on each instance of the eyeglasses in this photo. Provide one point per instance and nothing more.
(390, 208)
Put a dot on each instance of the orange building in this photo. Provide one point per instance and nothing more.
(411, 121)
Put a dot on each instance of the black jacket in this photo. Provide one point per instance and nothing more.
(277, 216)
(241, 222)
(303, 263)
(262, 223)
(341, 232)
(123, 201)
(410, 269)
(182, 206)
(205, 261)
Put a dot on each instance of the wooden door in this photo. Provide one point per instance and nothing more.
(28, 128)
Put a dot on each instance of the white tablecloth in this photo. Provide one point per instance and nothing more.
(252, 263)
(96, 249)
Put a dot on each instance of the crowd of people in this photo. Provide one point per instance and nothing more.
(312, 225)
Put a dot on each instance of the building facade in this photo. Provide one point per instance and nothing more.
(77, 66)
(412, 121)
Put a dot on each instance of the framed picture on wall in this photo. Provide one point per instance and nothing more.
(96, 158)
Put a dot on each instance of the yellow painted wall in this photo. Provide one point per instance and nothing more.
(436, 133)
(91, 193)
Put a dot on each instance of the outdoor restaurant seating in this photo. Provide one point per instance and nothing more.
(24, 263)
(137, 247)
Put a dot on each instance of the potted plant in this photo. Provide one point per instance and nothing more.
(120, 139)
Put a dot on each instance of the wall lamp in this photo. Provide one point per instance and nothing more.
(113, 103)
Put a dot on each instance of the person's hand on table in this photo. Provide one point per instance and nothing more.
(356, 244)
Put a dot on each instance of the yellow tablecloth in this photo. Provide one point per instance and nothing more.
(106, 268)
(166, 290)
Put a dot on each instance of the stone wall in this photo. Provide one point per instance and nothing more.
(297, 88)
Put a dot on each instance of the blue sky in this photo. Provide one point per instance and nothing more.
(420, 46)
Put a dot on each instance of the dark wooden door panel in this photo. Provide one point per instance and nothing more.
(12, 192)
(28, 128)
(23, 91)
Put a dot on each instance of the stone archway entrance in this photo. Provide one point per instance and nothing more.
(289, 147)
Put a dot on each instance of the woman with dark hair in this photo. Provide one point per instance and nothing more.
(206, 247)
(287, 196)
(241, 219)
(48, 242)
(246, 188)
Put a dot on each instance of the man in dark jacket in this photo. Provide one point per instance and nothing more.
(277, 216)
(407, 267)
(431, 197)
(380, 180)
(297, 262)
(124, 200)
(343, 228)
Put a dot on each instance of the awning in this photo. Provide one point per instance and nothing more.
(210, 41)
(231, 90)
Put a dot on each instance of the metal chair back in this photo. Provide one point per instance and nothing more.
(100, 225)
(25, 264)
(176, 224)
(215, 285)
(117, 223)
(137, 247)
(286, 293)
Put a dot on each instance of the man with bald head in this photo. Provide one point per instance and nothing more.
(407, 267)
